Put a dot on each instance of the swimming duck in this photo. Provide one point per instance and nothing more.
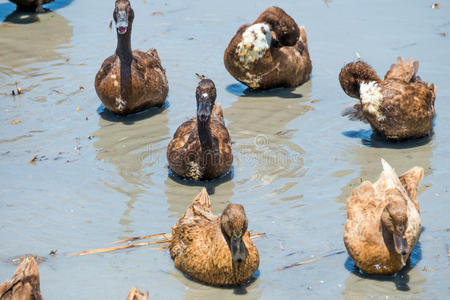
(399, 107)
(383, 221)
(211, 249)
(130, 81)
(31, 5)
(25, 283)
(272, 52)
(201, 146)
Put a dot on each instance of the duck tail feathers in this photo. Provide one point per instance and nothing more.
(303, 37)
(389, 178)
(202, 200)
(154, 53)
(404, 70)
(218, 112)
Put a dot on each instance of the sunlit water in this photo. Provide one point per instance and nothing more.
(98, 178)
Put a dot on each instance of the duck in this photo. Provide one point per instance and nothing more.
(216, 250)
(383, 221)
(31, 5)
(25, 283)
(399, 107)
(130, 81)
(201, 147)
(269, 53)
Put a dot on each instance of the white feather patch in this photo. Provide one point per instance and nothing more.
(371, 98)
(256, 39)
(120, 104)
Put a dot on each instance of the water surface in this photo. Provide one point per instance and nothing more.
(98, 178)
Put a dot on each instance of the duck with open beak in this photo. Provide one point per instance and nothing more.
(123, 16)
(130, 81)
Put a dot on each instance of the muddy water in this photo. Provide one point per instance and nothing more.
(98, 178)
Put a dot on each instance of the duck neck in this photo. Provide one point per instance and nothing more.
(123, 50)
(387, 237)
(204, 133)
(387, 230)
(125, 54)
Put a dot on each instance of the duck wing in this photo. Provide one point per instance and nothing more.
(362, 204)
(25, 283)
(403, 70)
(105, 69)
(217, 113)
(154, 53)
(354, 112)
(200, 208)
(410, 180)
(193, 230)
(389, 180)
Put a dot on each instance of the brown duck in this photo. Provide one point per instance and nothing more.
(399, 107)
(130, 81)
(31, 5)
(272, 52)
(383, 221)
(211, 249)
(201, 147)
(25, 284)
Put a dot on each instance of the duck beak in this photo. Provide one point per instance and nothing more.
(204, 109)
(238, 250)
(400, 243)
(122, 22)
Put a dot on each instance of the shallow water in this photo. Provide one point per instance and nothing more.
(99, 178)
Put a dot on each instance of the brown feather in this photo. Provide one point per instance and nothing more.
(25, 283)
(403, 70)
(354, 112)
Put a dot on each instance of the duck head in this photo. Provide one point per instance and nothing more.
(233, 223)
(285, 28)
(206, 97)
(355, 73)
(395, 220)
(123, 16)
